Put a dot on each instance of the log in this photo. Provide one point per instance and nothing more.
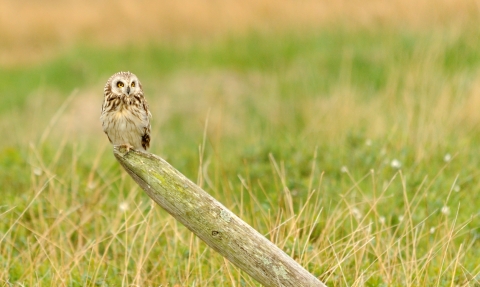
(212, 222)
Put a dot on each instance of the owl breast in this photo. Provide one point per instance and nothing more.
(125, 122)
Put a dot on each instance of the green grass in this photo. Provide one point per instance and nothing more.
(301, 133)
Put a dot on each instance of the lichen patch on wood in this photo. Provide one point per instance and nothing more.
(225, 215)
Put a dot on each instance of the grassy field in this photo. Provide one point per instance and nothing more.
(355, 150)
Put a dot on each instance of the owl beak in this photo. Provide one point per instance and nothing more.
(128, 90)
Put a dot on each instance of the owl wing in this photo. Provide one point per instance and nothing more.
(146, 133)
(110, 102)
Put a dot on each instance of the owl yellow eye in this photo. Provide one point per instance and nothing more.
(119, 84)
(133, 85)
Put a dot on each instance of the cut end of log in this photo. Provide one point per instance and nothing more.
(123, 150)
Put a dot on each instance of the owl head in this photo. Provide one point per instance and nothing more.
(123, 84)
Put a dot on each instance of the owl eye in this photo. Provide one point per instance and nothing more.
(133, 85)
(120, 84)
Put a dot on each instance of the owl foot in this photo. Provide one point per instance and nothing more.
(125, 148)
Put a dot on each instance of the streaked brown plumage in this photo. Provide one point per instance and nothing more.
(125, 116)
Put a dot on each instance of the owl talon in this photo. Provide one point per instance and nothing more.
(127, 147)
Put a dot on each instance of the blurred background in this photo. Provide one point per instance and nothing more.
(373, 103)
(200, 57)
(33, 30)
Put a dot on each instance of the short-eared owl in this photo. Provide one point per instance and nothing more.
(125, 115)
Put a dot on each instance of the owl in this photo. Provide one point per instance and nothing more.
(125, 115)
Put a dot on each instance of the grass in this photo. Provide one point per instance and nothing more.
(355, 151)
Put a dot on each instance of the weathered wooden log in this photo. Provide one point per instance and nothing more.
(212, 222)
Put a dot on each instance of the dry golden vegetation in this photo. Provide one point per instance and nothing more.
(32, 29)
